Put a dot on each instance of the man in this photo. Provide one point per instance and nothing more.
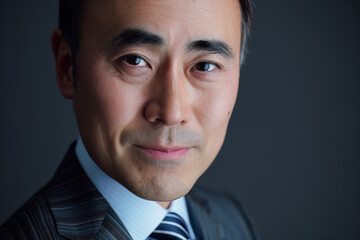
(153, 85)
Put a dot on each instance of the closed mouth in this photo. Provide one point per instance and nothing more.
(164, 153)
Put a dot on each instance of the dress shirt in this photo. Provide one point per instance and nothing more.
(139, 216)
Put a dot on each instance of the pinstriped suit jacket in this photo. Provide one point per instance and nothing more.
(70, 207)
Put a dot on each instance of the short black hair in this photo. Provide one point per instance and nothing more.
(70, 13)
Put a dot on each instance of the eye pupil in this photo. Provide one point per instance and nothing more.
(133, 60)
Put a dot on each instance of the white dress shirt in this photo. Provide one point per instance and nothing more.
(139, 216)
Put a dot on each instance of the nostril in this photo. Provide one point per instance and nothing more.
(152, 112)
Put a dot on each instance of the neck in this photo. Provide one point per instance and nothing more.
(165, 205)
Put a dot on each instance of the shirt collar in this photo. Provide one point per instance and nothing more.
(139, 216)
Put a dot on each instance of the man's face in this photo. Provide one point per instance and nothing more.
(157, 84)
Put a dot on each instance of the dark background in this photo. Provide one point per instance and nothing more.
(292, 151)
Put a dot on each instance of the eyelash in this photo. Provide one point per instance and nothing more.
(208, 65)
(135, 58)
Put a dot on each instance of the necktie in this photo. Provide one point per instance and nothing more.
(171, 228)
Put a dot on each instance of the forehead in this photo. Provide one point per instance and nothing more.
(176, 21)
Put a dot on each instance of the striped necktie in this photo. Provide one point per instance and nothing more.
(171, 228)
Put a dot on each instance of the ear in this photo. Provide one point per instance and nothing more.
(63, 64)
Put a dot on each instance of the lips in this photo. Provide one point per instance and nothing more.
(164, 153)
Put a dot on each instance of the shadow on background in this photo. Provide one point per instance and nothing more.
(292, 151)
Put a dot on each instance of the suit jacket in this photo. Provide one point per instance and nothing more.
(70, 207)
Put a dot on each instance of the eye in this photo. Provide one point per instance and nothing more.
(205, 66)
(134, 60)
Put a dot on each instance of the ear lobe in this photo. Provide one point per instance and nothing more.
(63, 64)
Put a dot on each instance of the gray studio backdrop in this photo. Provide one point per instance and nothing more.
(292, 151)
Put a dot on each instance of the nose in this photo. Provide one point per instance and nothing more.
(170, 98)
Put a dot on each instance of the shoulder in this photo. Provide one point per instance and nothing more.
(224, 208)
(35, 219)
(32, 221)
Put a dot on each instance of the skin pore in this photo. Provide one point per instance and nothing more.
(157, 83)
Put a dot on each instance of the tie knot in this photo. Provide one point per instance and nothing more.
(172, 227)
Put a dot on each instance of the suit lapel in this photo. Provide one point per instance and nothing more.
(206, 224)
(79, 210)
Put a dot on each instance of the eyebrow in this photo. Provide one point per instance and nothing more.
(134, 36)
(212, 46)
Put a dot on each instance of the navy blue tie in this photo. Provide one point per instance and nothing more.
(171, 228)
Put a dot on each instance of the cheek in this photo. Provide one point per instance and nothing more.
(113, 103)
(215, 107)
(213, 113)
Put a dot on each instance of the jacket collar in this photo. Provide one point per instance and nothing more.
(204, 217)
(78, 208)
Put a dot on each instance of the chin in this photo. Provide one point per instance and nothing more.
(161, 189)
